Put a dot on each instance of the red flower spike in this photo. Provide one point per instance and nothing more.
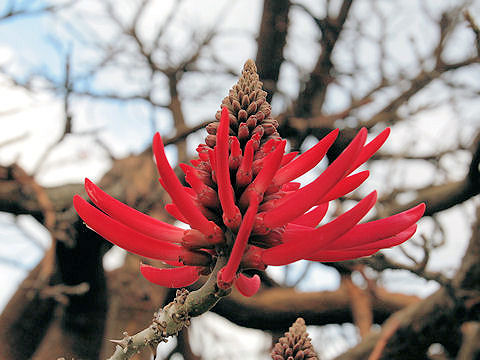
(247, 286)
(313, 217)
(371, 148)
(244, 172)
(306, 161)
(135, 219)
(303, 199)
(346, 185)
(312, 241)
(129, 239)
(231, 214)
(242, 164)
(227, 274)
(172, 278)
(183, 201)
(263, 179)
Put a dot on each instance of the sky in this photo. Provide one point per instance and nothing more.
(39, 44)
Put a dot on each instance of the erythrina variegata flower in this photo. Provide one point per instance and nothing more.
(244, 204)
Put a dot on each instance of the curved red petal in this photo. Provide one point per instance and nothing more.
(306, 161)
(365, 248)
(288, 157)
(371, 148)
(295, 205)
(342, 255)
(265, 176)
(310, 242)
(244, 172)
(227, 274)
(231, 214)
(123, 236)
(135, 219)
(183, 201)
(346, 185)
(313, 217)
(172, 209)
(380, 229)
(173, 277)
(247, 286)
(390, 241)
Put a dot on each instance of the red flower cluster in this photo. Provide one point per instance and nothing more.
(243, 203)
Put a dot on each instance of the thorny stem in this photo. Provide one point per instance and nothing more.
(173, 317)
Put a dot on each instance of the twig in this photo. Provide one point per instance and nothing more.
(475, 28)
(173, 317)
(14, 140)
(388, 331)
(60, 292)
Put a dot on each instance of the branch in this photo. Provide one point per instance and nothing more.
(271, 42)
(12, 12)
(311, 98)
(444, 196)
(173, 317)
(274, 309)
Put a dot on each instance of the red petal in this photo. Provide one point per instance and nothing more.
(123, 236)
(291, 186)
(205, 194)
(172, 209)
(371, 148)
(183, 201)
(288, 157)
(306, 161)
(172, 278)
(235, 154)
(252, 258)
(247, 286)
(313, 217)
(295, 205)
(342, 255)
(390, 241)
(231, 213)
(265, 176)
(133, 218)
(346, 185)
(227, 274)
(310, 242)
(244, 172)
(380, 229)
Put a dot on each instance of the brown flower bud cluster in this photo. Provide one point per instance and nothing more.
(295, 345)
(250, 113)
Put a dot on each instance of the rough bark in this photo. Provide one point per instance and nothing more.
(271, 42)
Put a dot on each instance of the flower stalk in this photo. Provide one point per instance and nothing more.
(173, 317)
